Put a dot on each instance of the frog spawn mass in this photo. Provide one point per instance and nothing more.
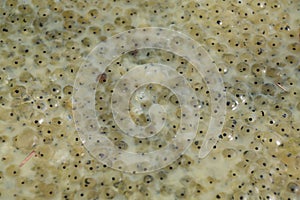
(153, 73)
(255, 45)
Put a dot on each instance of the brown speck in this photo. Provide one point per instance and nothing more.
(102, 78)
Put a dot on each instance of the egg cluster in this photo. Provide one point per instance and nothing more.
(255, 45)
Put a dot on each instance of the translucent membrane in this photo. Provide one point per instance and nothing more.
(100, 146)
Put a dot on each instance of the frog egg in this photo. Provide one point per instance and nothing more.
(211, 42)
(249, 118)
(200, 14)
(86, 42)
(55, 6)
(240, 195)
(41, 60)
(3, 139)
(191, 6)
(68, 90)
(7, 116)
(51, 35)
(227, 134)
(298, 106)
(148, 179)
(88, 194)
(185, 161)
(18, 91)
(161, 175)
(291, 60)
(268, 89)
(12, 171)
(273, 42)
(39, 23)
(143, 189)
(48, 190)
(67, 194)
(269, 139)
(272, 72)
(18, 61)
(262, 162)
(25, 9)
(229, 59)
(52, 103)
(57, 74)
(229, 153)
(181, 193)
(259, 40)
(284, 114)
(47, 139)
(11, 3)
(122, 21)
(73, 176)
(70, 55)
(282, 128)
(289, 196)
(55, 89)
(26, 140)
(247, 129)
(221, 48)
(262, 100)
(24, 181)
(262, 175)
(128, 194)
(184, 16)
(234, 42)
(195, 32)
(57, 122)
(43, 12)
(93, 14)
(95, 30)
(256, 146)
(250, 155)
(70, 25)
(54, 58)
(83, 20)
(258, 69)
(120, 186)
(3, 78)
(258, 5)
(107, 193)
(109, 28)
(25, 77)
(221, 195)
(267, 195)
(165, 190)
(88, 183)
(293, 187)
(78, 152)
(121, 145)
(45, 152)
(276, 5)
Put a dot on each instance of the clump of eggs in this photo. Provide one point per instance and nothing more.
(255, 45)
